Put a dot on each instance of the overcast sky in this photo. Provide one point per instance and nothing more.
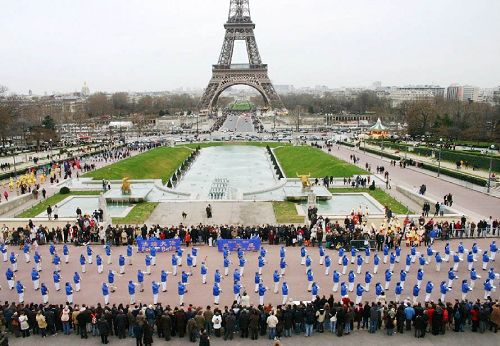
(136, 45)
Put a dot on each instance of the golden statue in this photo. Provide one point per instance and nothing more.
(304, 180)
(126, 186)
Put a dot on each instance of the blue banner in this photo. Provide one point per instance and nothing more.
(252, 244)
(161, 245)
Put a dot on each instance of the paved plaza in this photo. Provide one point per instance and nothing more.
(201, 295)
(223, 213)
(357, 338)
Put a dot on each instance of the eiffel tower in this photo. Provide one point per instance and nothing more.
(225, 74)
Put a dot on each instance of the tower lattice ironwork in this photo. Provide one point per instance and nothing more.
(225, 74)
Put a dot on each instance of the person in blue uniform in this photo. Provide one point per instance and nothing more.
(359, 293)
(105, 293)
(130, 253)
(13, 261)
(147, 261)
(283, 266)
(131, 291)
(314, 291)
(155, 287)
(69, 293)
(257, 280)
(45, 293)
(181, 290)
(284, 293)
(493, 250)
(388, 277)
(107, 251)
(9, 275)
(350, 278)
(66, 253)
(465, 289)
(451, 277)
(368, 280)
(57, 280)
(397, 291)
(56, 261)
(203, 272)
(486, 260)
(163, 280)
(328, 265)
(439, 260)
(194, 255)
(359, 263)
(121, 264)
(345, 262)
(76, 281)
(473, 277)
(174, 264)
(89, 254)
(262, 263)
(35, 277)
(140, 280)
(189, 262)
(216, 290)
(98, 262)
(416, 292)
(82, 263)
(376, 262)
(38, 261)
(336, 280)
(428, 291)
(443, 289)
(321, 255)
(20, 291)
(226, 264)
(26, 251)
(262, 293)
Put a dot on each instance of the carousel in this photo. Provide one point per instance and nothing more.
(378, 130)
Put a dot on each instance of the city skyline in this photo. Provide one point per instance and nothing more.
(164, 45)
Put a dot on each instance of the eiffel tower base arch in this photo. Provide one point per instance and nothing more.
(255, 78)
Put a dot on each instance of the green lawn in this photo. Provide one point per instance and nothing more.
(159, 163)
(310, 160)
(220, 144)
(381, 196)
(285, 212)
(138, 215)
(244, 106)
(52, 200)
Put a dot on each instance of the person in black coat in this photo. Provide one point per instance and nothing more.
(204, 339)
(147, 334)
(166, 325)
(121, 324)
(244, 320)
(139, 333)
(103, 327)
(180, 322)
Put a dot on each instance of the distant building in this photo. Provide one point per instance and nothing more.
(85, 90)
(284, 89)
(455, 92)
(471, 93)
(496, 96)
(411, 93)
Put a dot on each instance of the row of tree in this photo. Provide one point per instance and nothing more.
(120, 104)
(437, 117)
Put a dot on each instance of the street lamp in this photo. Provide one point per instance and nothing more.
(489, 172)
(50, 153)
(439, 159)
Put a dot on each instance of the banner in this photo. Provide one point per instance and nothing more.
(252, 244)
(161, 245)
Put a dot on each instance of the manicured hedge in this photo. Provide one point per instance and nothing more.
(454, 174)
(482, 162)
(381, 153)
(350, 145)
